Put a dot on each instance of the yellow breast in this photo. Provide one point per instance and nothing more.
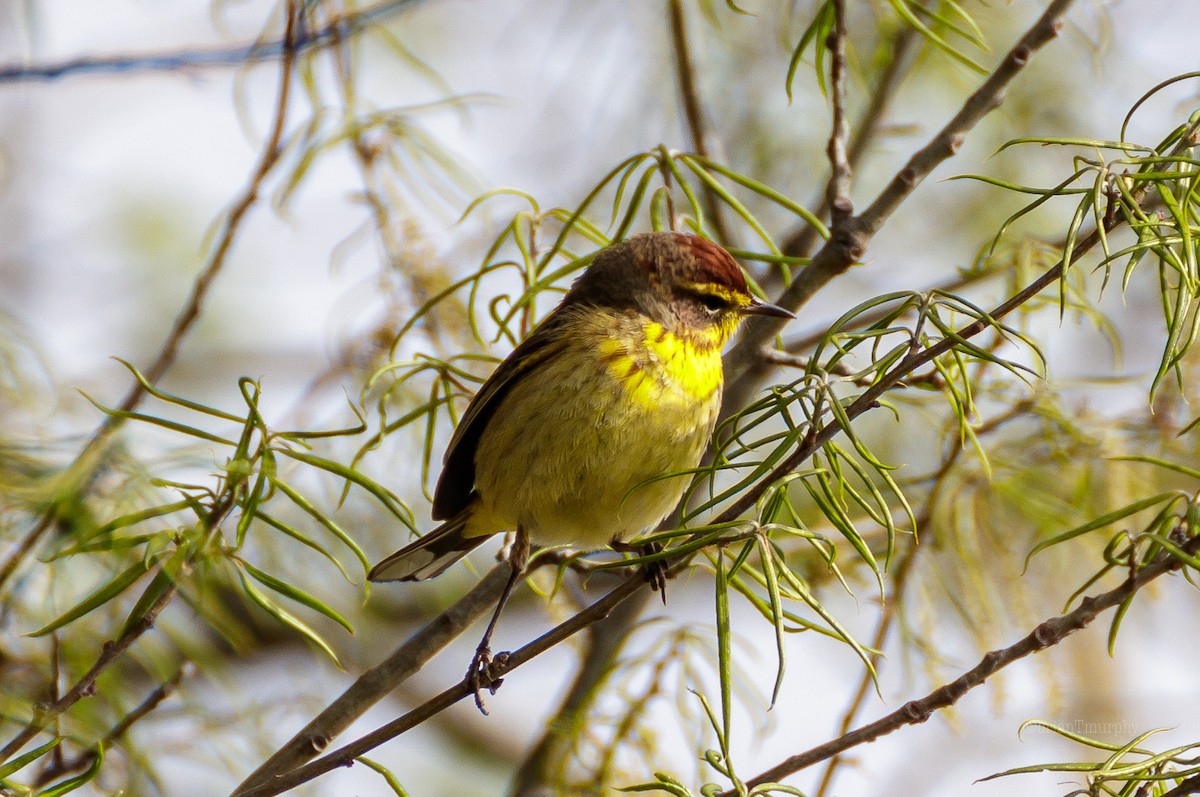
(657, 366)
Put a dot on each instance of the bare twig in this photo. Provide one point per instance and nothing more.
(693, 113)
(837, 193)
(1045, 635)
(86, 685)
(188, 60)
(802, 242)
(84, 759)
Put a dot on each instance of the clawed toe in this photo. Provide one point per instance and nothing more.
(484, 674)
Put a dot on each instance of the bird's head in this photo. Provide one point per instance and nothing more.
(688, 284)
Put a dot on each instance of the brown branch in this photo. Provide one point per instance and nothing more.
(86, 685)
(837, 193)
(84, 759)
(375, 684)
(693, 113)
(802, 242)
(1045, 635)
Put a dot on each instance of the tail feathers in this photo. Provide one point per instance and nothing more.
(430, 555)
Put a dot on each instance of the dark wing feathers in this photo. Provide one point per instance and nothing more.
(456, 486)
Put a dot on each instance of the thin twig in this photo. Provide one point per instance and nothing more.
(1047, 634)
(86, 685)
(84, 759)
(235, 56)
(693, 113)
(864, 130)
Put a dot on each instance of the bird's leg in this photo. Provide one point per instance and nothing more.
(654, 572)
(480, 672)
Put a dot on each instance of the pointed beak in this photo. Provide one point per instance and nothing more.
(758, 307)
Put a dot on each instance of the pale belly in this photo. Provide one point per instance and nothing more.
(582, 466)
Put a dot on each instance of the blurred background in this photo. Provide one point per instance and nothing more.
(113, 182)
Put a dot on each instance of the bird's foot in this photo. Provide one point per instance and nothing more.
(654, 572)
(485, 674)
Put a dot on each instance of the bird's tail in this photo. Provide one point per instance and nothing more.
(430, 555)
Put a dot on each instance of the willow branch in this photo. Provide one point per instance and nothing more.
(900, 581)
(802, 242)
(1047, 634)
(86, 685)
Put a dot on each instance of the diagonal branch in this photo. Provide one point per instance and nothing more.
(1045, 635)
(377, 682)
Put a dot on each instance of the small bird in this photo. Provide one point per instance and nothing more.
(568, 441)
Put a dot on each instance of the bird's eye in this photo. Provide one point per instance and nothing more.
(712, 303)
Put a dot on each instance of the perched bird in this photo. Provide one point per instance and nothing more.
(568, 441)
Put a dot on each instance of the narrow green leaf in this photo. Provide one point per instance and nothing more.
(158, 585)
(296, 594)
(1106, 520)
(390, 500)
(724, 636)
(286, 617)
(317, 515)
(119, 583)
(25, 759)
(82, 779)
(392, 781)
(766, 554)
